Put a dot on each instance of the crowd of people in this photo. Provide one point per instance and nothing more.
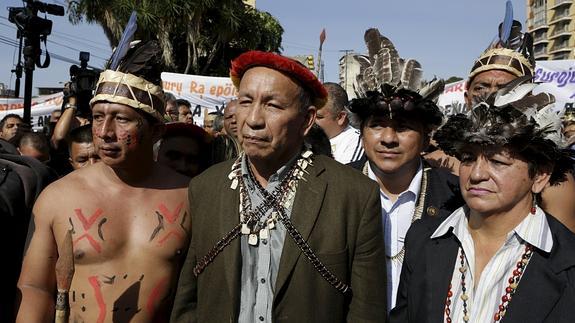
(297, 204)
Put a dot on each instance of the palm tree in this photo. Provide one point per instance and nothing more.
(196, 36)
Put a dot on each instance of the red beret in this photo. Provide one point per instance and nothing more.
(287, 66)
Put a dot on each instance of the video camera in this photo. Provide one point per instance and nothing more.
(82, 83)
(27, 20)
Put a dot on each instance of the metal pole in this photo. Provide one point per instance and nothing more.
(30, 54)
(18, 69)
(28, 95)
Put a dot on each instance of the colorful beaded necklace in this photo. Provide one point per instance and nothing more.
(509, 290)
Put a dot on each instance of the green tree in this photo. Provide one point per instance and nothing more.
(453, 79)
(196, 36)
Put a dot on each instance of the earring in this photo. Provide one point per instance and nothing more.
(534, 204)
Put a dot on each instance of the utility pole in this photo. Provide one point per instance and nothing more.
(319, 60)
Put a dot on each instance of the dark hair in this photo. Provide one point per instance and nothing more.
(82, 134)
(183, 102)
(304, 98)
(318, 141)
(181, 129)
(338, 96)
(8, 116)
(36, 140)
(218, 124)
(169, 97)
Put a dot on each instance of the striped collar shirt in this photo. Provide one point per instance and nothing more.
(485, 295)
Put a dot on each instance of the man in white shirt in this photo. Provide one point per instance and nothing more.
(333, 118)
(394, 136)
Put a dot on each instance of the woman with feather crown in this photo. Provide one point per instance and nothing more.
(116, 231)
(500, 257)
(397, 119)
(509, 57)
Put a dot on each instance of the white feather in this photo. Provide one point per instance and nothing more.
(514, 95)
(548, 118)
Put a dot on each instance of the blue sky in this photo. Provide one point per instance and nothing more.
(444, 35)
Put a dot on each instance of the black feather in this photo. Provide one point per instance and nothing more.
(138, 56)
(142, 60)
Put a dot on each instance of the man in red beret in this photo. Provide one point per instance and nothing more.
(280, 234)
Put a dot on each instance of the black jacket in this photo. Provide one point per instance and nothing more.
(546, 292)
(442, 195)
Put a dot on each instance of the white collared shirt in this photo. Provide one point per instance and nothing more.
(485, 298)
(347, 146)
(396, 217)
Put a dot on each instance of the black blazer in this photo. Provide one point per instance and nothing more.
(546, 292)
(442, 195)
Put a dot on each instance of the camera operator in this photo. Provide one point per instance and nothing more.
(70, 119)
(77, 95)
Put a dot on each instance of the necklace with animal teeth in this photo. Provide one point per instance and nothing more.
(254, 222)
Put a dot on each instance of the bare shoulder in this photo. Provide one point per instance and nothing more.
(58, 192)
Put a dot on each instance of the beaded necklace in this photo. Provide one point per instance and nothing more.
(509, 290)
(417, 213)
(254, 222)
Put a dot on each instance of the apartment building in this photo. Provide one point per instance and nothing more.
(550, 22)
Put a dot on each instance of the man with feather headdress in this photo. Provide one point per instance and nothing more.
(397, 119)
(116, 231)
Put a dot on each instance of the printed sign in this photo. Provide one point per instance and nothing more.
(555, 77)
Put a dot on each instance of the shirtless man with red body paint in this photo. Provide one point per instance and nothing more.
(128, 219)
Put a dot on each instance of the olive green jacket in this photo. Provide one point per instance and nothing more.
(338, 212)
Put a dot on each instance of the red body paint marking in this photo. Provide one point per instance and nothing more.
(171, 218)
(99, 298)
(169, 234)
(87, 223)
(155, 295)
(91, 240)
(131, 139)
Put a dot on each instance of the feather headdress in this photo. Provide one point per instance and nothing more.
(389, 85)
(511, 50)
(133, 76)
(512, 118)
(383, 65)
